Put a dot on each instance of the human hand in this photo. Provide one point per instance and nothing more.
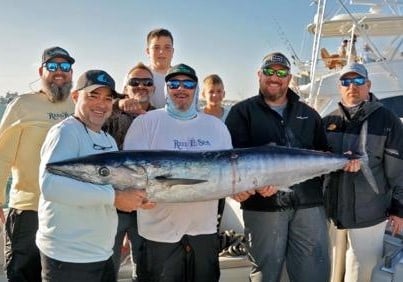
(131, 106)
(243, 196)
(396, 223)
(352, 166)
(267, 191)
(146, 205)
(129, 200)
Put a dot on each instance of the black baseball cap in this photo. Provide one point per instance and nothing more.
(56, 52)
(181, 69)
(275, 58)
(93, 79)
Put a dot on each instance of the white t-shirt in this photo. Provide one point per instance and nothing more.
(156, 130)
(77, 220)
(158, 98)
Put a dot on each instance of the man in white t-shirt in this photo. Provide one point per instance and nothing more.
(181, 240)
(78, 220)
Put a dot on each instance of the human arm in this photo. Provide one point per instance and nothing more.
(64, 142)
(132, 199)
(130, 105)
(9, 140)
(243, 196)
(266, 191)
(9, 136)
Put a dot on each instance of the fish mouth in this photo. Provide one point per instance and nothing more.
(62, 172)
(56, 170)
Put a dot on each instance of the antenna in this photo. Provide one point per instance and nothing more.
(287, 43)
(302, 66)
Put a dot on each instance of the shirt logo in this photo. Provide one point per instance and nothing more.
(58, 116)
(191, 144)
(102, 78)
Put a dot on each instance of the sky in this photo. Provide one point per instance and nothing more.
(225, 37)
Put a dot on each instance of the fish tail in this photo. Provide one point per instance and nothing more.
(364, 160)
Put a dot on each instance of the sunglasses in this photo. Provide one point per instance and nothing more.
(358, 81)
(187, 84)
(135, 82)
(53, 66)
(279, 73)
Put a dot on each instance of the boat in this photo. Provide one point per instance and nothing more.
(379, 30)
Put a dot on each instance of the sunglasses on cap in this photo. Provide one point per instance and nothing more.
(135, 82)
(358, 81)
(279, 73)
(53, 66)
(187, 84)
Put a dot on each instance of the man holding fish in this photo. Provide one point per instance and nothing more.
(78, 220)
(282, 226)
(181, 242)
(358, 211)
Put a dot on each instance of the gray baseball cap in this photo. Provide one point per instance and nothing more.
(354, 68)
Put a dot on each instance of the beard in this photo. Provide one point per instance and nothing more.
(56, 93)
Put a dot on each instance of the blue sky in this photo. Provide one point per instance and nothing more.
(225, 37)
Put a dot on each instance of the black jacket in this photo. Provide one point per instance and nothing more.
(349, 199)
(253, 123)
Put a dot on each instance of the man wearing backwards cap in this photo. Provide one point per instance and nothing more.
(77, 220)
(357, 211)
(282, 227)
(180, 239)
(22, 130)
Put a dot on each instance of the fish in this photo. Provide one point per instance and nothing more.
(188, 176)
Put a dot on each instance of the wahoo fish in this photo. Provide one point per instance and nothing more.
(183, 176)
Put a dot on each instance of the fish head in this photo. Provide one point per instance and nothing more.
(102, 171)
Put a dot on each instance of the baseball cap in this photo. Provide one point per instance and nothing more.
(56, 52)
(93, 79)
(354, 68)
(275, 58)
(181, 69)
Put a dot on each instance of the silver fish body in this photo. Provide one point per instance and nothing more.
(173, 176)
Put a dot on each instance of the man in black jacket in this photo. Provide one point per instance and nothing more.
(362, 125)
(282, 226)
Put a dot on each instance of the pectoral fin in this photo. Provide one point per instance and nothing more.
(168, 181)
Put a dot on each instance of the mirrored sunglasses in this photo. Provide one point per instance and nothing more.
(358, 81)
(279, 73)
(187, 84)
(53, 66)
(135, 82)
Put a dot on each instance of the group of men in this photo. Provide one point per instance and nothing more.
(61, 229)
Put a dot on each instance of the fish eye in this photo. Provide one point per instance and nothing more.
(103, 171)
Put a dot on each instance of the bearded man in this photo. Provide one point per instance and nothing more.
(23, 128)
